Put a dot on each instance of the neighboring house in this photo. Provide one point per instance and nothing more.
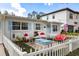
(11, 26)
(68, 17)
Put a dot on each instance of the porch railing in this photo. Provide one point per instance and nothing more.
(60, 49)
(12, 49)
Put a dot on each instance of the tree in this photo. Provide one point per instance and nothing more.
(34, 14)
(5, 12)
(0, 12)
(41, 13)
(38, 16)
(12, 14)
(29, 15)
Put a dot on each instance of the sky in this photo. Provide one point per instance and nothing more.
(22, 9)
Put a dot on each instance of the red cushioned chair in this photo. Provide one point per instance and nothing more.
(60, 37)
(42, 35)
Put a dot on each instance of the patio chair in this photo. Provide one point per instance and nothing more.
(42, 35)
(60, 37)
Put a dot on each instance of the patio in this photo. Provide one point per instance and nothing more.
(38, 46)
(32, 46)
(59, 49)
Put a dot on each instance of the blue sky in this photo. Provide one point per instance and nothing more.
(22, 9)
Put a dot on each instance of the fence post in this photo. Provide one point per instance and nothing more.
(70, 45)
(30, 50)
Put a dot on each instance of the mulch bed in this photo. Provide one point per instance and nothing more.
(74, 53)
(24, 46)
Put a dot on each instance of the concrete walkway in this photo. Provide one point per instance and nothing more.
(2, 52)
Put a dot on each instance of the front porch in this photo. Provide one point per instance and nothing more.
(59, 49)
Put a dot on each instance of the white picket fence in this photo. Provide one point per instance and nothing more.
(12, 49)
(60, 49)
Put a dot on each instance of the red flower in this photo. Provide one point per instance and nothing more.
(26, 41)
(25, 34)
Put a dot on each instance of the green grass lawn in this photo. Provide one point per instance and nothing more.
(24, 46)
(74, 53)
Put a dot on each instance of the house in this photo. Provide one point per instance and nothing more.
(11, 26)
(67, 16)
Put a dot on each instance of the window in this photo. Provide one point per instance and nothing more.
(24, 26)
(70, 28)
(71, 16)
(53, 17)
(37, 26)
(15, 25)
(76, 16)
(54, 28)
(47, 18)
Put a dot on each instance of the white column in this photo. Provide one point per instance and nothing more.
(70, 46)
(30, 50)
(32, 24)
(32, 27)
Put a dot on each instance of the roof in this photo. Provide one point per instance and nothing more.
(27, 19)
(22, 18)
(61, 10)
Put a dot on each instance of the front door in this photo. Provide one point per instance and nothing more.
(70, 28)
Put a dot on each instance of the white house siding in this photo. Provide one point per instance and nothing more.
(44, 17)
(71, 21)
(63, 16)
(59, 16)
(9, 33)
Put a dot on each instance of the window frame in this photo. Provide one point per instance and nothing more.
(16, 26)
(71, 15)
(24, 26)
(47, 17)
(53, 16)
(37, 26)
(54, 28)
(76, 16)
